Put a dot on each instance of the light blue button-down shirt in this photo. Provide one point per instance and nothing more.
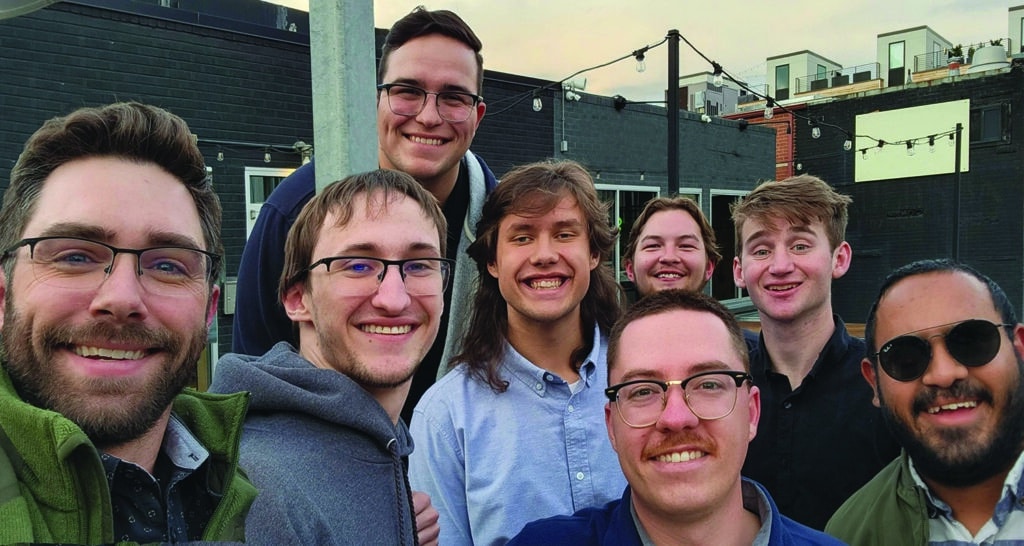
(492, 463)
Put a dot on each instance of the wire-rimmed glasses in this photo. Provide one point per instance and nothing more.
(361, 275)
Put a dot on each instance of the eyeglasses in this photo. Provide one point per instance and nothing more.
(972, 343)
(83, 264)
(360, 275)
(408, 100)
(709, 395)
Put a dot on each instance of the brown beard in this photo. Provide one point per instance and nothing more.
(111, 411)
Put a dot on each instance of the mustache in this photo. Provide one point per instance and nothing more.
(109, 333)
(958, 390)
(672, 442)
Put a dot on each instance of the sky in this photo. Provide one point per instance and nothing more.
(552, 39)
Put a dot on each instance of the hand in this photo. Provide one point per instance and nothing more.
(427, 528)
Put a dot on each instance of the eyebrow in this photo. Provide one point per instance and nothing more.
(445, 87)
(759, 234)
(684, 236)
(560, 224)
(373, 248)
(154, 238)
(708, 366)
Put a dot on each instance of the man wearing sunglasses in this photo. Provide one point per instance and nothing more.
(820, 439)
(945, 364)
(680, 414)
(107, 301)
(428, 109)
(364, 280)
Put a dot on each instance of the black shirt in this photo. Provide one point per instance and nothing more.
(818, 444)
(454, 210)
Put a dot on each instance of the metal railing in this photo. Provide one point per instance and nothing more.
(837, 78)
(940, 59)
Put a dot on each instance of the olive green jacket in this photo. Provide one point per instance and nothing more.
(889, 509)
(52, 483)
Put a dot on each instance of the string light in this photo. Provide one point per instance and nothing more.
(952, 140)
(910, 148)
(815, 131)
(641, 64)
(717, 80)
(931, 144)
(266, 157)
(220, 155)
(769, 109)
(847, 144)
(537, 103)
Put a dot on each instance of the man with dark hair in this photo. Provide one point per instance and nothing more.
(428, 109)
(671, 245)
(819, 439)
(514, 432)
(364, 279)
(100, 440)
(945, 360)
(681, 451)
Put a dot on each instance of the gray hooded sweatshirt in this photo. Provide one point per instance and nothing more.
(330, 466)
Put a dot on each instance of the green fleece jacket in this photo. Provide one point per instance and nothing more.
(52, 483)
(889, 509)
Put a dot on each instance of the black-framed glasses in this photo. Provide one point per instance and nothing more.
(77, 263)
(409, 100)
(361, 275)
(709, 395)
(972, 342)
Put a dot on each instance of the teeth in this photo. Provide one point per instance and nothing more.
(427, 141)
(546, 283)
(108, 354)
(951, 407)
(669, 276)
(781, 288)
(387, 330)
(680, 457)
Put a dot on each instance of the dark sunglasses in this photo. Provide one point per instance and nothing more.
(972, 343)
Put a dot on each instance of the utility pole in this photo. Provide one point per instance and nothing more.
(672, 105)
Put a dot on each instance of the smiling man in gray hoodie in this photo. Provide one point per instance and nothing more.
(363, 283)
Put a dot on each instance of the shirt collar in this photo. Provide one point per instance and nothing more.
(538, 380)
(1013, 486)
(182, 447)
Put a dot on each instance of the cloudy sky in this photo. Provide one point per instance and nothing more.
(551, 39)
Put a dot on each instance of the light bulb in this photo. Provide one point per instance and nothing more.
(910, 149)
(815, 132)
(220, 156)
(537, 104)
(718, 80)
(848, 145)
(952, 140)
(266, 157)
(641, 65)
(864, 153)
(769, 111)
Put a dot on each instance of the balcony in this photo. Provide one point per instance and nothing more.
(935, 65)
(840, 82)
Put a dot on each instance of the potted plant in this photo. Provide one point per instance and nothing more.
(955, 57)
(989, 57)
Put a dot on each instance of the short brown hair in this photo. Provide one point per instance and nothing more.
(684, 204)
(801, 200)
(126, 130)
(423, 22)
(664, 301)
(337, 198)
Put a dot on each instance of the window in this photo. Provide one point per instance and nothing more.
(782, 82)
(819, 74)
(722, 285)
(259, 182)
(896, 63)
(990, 124)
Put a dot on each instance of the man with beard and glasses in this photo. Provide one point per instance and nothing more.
(364, 282)
(945, 361)
(107, 301)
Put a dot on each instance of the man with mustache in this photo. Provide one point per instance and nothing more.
(107, 301)
(681, 411)
(945, 361)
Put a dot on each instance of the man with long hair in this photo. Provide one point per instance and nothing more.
(514, 433)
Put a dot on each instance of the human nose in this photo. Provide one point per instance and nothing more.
(429, 114)
(943, 370)
(391, 294)
(120, 293)
(543, 252)
(781, 263)
(676, 414)
(669, 254)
